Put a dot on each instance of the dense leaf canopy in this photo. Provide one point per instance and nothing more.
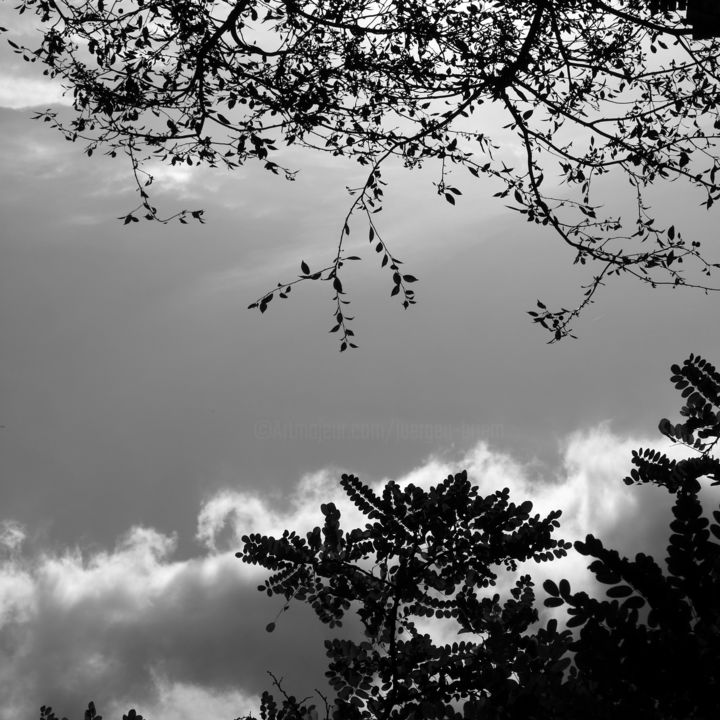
(426, 554)
(593, 92)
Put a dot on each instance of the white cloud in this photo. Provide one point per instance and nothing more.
(185, 638)
(172, 178)
(12, 535)
(23, 92)
(136, 573)
(188, 701)
(17, 591)
(241, 511)
(17, 595)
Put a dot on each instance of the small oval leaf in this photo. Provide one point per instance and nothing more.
(619, 591)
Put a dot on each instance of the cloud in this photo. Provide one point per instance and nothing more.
(24, 92)
(187, 701)
(230, 514)
(22, 83)
(12, 535)
(136, 627)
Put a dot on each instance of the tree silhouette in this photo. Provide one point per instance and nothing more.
(593, 92)
(649, 650)
(424, 554)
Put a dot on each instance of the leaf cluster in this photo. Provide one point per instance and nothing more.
(423, 554)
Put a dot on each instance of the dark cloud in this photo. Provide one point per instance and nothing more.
(109, 627)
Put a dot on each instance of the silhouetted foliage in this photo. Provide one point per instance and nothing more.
(423, 555)
(590, 90)
(648, 650)
(652, 649)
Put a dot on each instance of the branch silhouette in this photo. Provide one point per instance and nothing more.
(592, 91)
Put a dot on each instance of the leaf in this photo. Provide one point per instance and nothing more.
(551, 588)
(270, 627)
(337, 284)
(576, 621)
(560, 665)
(450, 198)
(664, 426)
(264, 302)
(634, 603)
(305, 268)
(619, 591)
(554, 602)
(409, 278)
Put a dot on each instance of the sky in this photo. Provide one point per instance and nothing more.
(149, 419)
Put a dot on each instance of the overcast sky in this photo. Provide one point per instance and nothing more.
(149, 419)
